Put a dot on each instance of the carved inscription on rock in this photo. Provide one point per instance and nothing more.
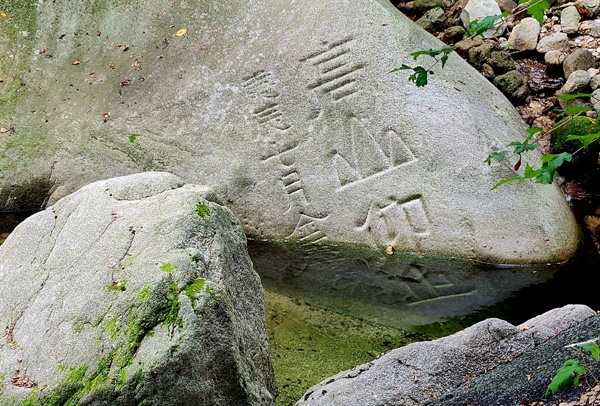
(368, 157)
(261, 88)
(337, 72)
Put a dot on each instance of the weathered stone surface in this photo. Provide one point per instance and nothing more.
(289, 112)
(558, 41)
(134, 290)
(589, 8)
(433, 19)
(513, 85)
(569, 20)
(580, 59)
(554, 58)
(505, 385)
(576, 83)
(502, 62)
(415, 374)
(524, 36)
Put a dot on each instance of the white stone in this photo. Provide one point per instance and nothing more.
(554, 57)
(554, 42)
(569, 20)
(478, 10)
(525, 35)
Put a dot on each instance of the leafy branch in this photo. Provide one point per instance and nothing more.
(572, 370)
(550, 162)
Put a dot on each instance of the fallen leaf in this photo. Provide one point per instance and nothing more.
(3, 14)
(105, 117)
(3, 130)
(389, 250)
(181, 32)
(76, 62)
(98, 33)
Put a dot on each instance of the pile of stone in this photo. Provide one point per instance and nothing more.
(530, 63)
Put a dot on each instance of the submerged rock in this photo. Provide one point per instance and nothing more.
(289, 112)
(134, 290)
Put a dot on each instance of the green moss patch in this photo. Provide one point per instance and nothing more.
(308, 344)
(571, 126)
(202, 210)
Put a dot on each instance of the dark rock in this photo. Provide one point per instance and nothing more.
(488, 71)
(433, 20)
(513, 85)
(423, 5)
(480, 55)
(451, 34)
(588, 8)
(580, 59)
(502, 62)
(463, 47)
(526, 379)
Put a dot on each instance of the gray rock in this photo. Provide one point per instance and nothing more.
(487, 71)
(413, 375)
(554, 58)
(451, 34)
(589, 8)
(524, 36)
(288, 112)
(506, 384)
(478, 10)
(432, 20)
(464, 46)
(595, 82)
(134, 290)
(579, 59)
(569, 20)
(577, 82)
(558, 41)
(428, 4)
(502, 62)
(513, 85)
(480, 55)
(595, 99)
(595, 29)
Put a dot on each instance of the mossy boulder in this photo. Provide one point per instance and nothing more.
(584, 167)
(134, 290)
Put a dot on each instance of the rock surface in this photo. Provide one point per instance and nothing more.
(524, 37)
(414, 375)
(569, 20)
(290, 113)
(134, 290)
(525, 380)
(580, 59)
(480, 9)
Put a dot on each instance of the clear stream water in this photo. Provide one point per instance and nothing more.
(329, 309)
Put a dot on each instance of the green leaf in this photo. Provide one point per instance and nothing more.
(536, 9)
(403, 67)
(577, 109)
(498, 156)
(550, 164)
(477, 28)
(420, 76)
(132, 138)
(558, 111)
(534, 130)
(521, 147)
(504, 181)
(585, 140)
(445, 50)
(570, 96)
(593, 349)
(569, 372)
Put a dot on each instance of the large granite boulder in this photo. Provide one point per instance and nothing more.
(418, 373)
(132, 291)
(288, 110)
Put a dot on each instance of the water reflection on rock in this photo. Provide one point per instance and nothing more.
(399, 290)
